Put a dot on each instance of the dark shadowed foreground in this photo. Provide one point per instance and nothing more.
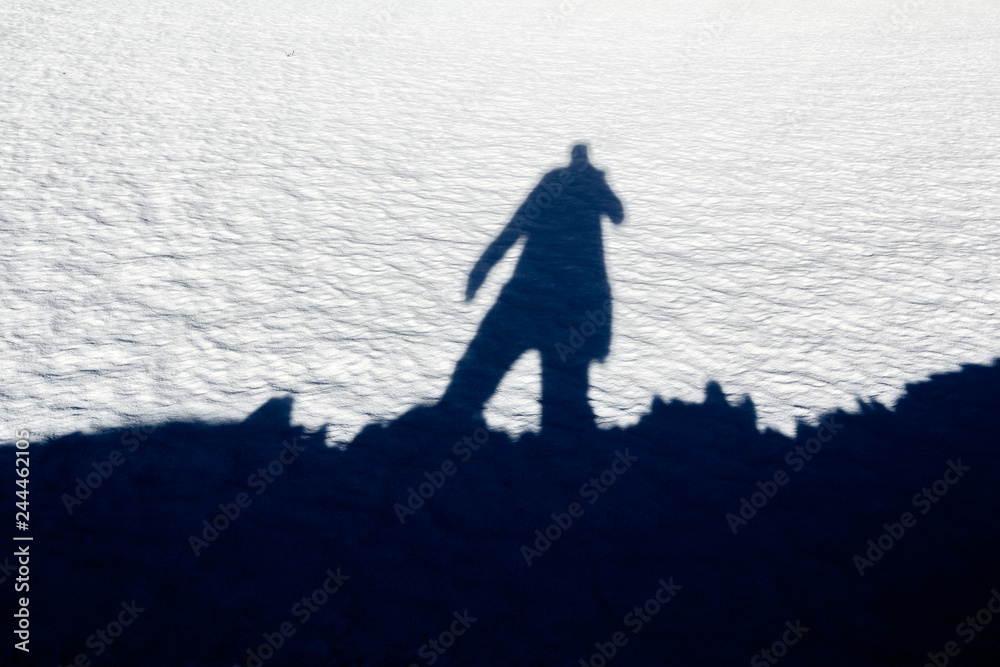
(413, 545)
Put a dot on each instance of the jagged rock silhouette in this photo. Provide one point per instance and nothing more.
(428, 516)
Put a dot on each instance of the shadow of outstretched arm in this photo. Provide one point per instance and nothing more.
(612, 205)
(491, 256)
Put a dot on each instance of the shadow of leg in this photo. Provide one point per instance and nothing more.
(478, 373)
(565, 407)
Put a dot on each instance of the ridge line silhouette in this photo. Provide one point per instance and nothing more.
(665, 517)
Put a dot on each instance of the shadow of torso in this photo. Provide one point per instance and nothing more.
(560, 278)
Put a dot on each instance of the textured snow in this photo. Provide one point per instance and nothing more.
(194, 221)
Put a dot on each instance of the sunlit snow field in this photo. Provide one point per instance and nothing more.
(193, 221)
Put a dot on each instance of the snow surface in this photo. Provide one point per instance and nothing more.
(194, 221)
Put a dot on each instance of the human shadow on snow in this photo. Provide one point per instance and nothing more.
(558, 301)
(688, 538)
